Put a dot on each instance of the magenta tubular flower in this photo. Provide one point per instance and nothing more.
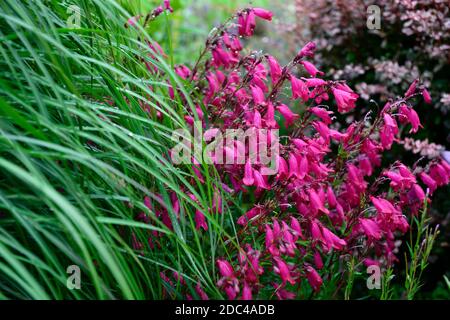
(246, 22)
(283, 294)
(426, 96)
(241, 23)
(314, 82)
(316, 204)
(287, 114)
(247, 292)
(370, 228)
(316, 231)
(263, 13)
(275, 69)
(133, 20)
(303, 167)
(270, 117)
(417, 193)
(331, 240)
(260, 182)
(439, 174)
(345, 98)
(318, 260)
(314, 278)
(293, 166)
(383, 206)
(258, 95)
(388, 132)
(323, 130)
(183, 71)
(282, 166)
(200, 221)
(167, 5)
(307, 50)
(244, 219)
(295, 225)
(311, 69)
(299, 89)
(412, 117)
(322, 113)
(202, 294)
(282, 269)
(412, 88)
(248, 174)
(269, 237)
(225, 268)
(356, 178)
(228, 281)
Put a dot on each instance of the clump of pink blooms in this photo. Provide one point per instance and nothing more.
(330, 197)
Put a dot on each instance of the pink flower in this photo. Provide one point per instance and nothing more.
(244, 219)
(314, 278)
(248, 174)
(225, 268)
(316, 203)
(314, 82)
(270, 117)
(426, 96)
(133, 21)
(246, 23)
(307, 50)
(282, 167)
(345, 97)
(402, 180)
(412, 117)
(275, 69)
(388, 131)
(412, 88)
(370, 228)
(318, 260)
(228, 282)
(202, 294)
(315, 230)
(356, 178)
(429, 182)
(167, 5)
(283, 294)
(247, 292)
(383, 205)
(299, 89)
(258, 95)
(260, 182)
(183, 71)
(263, 13)
(322, 113)
(287, 114)
(295, 225)
(417, 193)
(331, 240)
(283, 270)
(293, 166)
(311, 69)
(200, 221)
